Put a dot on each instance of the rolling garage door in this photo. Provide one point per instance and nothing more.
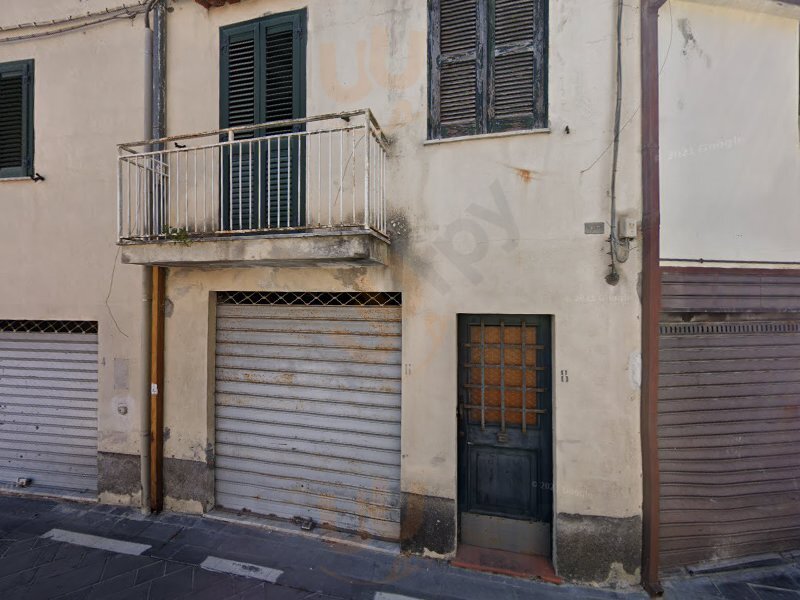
(308, 408)
(48, 406)
(729, 439)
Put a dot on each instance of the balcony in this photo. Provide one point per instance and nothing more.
(301, 192)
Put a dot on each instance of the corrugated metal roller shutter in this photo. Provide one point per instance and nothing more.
(729, 440)
(702, 290)
(308, 414)
(48, 412)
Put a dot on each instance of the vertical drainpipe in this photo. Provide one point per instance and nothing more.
(147, 276)
(154, 127)
(158, 274)
(651, 294)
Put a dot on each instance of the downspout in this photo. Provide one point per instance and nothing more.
(154, 277)
(147, 276)
(651, 295)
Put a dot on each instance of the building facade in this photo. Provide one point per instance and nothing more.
(397, 306)
(730, 180)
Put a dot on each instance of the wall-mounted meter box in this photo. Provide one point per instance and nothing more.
(627, 228)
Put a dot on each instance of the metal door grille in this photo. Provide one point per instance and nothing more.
(310, 298)
(503, 370)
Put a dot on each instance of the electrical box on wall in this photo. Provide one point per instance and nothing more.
(627, 228)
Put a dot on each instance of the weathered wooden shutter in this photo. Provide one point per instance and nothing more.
(16, 119)
(488, 66)
(239, 105)
(454, 66)
(517, 68)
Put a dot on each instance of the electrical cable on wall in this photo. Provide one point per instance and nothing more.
(61, 21)
(74, 23)
(615, 244)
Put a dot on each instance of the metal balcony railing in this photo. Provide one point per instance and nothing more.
(317, 174)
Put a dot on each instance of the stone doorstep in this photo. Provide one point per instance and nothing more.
(512, 564)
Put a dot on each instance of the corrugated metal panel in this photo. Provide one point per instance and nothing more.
(48, 412)
(698, 290)
(308, 414)
(729, 440)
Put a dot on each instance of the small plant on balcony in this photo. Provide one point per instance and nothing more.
(178, 235)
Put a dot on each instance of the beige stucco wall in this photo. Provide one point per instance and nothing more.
(57, 237)
(496, 226)
(730, 152)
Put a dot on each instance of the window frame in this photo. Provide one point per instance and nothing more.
(25, 69)
(485, 122)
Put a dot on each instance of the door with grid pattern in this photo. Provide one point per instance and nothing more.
(505, 464)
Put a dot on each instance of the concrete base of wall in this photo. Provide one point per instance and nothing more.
(119, 478)
(188, 485)
(599, 549)
(427, 525)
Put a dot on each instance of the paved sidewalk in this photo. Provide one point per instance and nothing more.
(35, 562)
(75, 551)
(778, 582)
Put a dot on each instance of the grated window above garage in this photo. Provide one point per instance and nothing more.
(311, 298)
(28, 326)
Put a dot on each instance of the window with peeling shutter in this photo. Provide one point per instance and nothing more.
(16, 119)
(488, 66)
(263, 80)
(454, 69)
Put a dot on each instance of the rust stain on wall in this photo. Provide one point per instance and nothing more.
(526, 175)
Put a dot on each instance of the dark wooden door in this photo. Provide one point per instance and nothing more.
(505, 464)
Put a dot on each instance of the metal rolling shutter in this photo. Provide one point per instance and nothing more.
(308, 414)
(48, 407)
(729, 439)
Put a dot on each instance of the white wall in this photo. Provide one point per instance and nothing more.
(730, 154)
(57, 237)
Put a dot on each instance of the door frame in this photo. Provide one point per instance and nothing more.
(545, 380)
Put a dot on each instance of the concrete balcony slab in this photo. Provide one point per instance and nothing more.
(297, 249)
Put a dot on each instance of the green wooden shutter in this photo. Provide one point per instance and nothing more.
(283, 100)
(263, 79)
(16, 119)
(239, 105)
(517, 65)
(454, 65)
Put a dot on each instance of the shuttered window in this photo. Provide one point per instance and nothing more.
(16, 119)
(262, 69)
(488, 66)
